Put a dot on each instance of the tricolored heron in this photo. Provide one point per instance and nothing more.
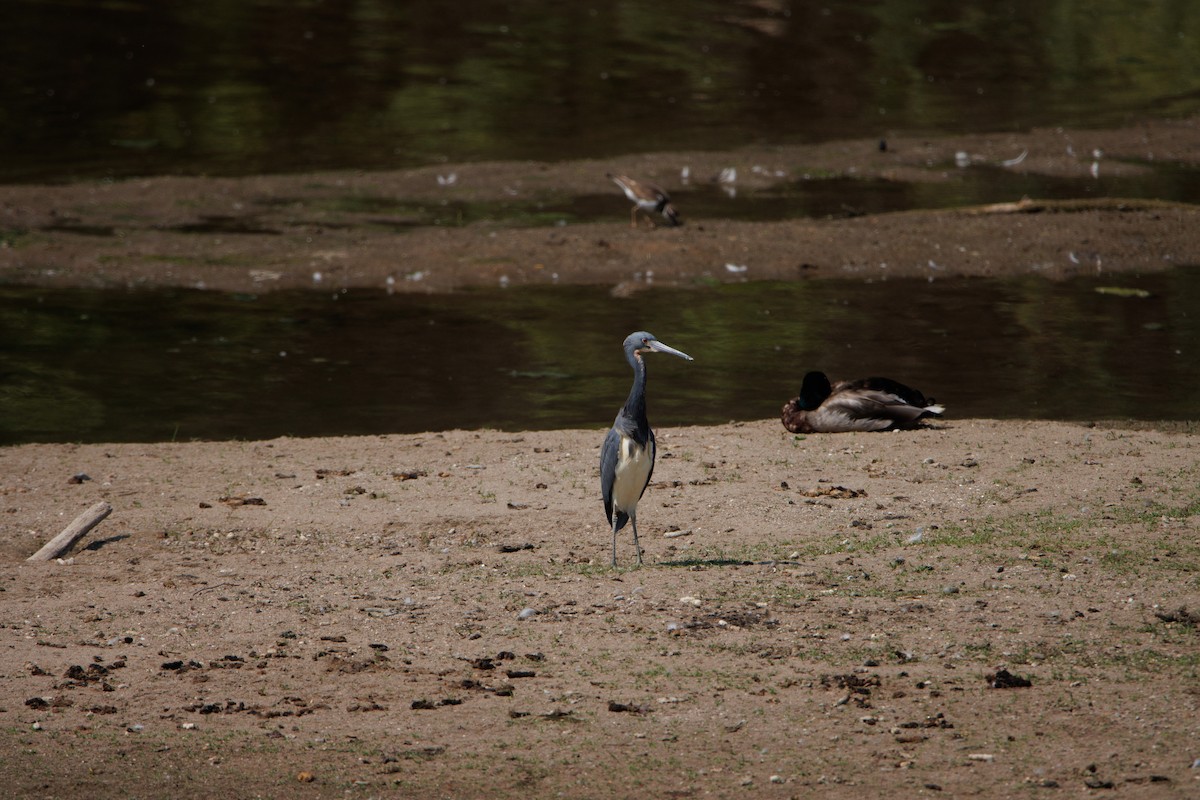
(646, 197)
(868, 404)
(627, 457)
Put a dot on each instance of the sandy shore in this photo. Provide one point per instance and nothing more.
(433, 615)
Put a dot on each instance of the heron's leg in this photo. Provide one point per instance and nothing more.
(637, 547)
(614, 527)
(633, 217)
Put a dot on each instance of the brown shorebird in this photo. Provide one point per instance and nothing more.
(646, 197)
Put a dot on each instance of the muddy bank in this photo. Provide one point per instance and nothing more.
(360, 229)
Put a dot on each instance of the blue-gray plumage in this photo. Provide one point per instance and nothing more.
(627, 457)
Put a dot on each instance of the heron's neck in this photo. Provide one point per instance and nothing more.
(635, 404)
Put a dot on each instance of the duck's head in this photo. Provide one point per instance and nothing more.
(814, 390)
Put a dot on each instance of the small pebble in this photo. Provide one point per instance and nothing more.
(527, 613)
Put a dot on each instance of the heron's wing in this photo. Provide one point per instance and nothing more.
(652, 447)
(608, 469)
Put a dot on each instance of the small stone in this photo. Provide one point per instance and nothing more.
(1003, 679)
(527, 613)
(988, 757)
(1097, 783)
(521, 673)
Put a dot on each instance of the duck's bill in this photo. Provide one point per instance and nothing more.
(659, 347)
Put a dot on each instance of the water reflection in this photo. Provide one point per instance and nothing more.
(146, 366)
(125, 88)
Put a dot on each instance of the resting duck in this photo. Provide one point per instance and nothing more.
(869, 404)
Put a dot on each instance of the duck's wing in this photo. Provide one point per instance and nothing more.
(908, 394)
(867, 410)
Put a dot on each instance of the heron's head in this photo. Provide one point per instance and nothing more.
(644, 342)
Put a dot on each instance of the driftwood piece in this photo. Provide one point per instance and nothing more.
(72, 533)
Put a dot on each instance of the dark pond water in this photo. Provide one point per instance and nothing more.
(130, 87)
(115, 88)
(153, 366)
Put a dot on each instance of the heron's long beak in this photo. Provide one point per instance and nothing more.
(659, 347)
